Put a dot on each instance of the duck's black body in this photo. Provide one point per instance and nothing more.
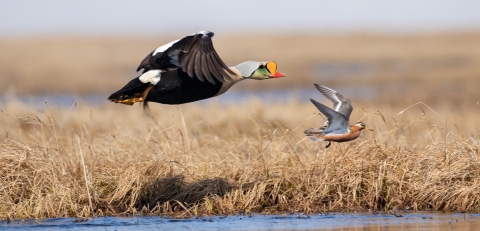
(175, 87)
(187, 70)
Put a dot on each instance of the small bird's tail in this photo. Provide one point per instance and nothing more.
(314, 133)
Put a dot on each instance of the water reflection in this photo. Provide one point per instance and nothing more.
(330, 221)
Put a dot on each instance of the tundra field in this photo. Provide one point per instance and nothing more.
(225, 158)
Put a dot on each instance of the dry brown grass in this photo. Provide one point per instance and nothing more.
(232, 158)
(251, 157)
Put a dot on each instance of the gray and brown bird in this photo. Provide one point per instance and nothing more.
(336, 128)
(187, 70)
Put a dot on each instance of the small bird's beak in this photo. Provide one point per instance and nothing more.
(369, 129)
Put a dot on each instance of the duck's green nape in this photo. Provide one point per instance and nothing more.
(261, 73)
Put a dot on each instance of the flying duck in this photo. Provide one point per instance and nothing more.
(336, 128)
(187, 70)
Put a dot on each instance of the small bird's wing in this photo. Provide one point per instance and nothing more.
(340, 104)
(337, 123)
(194, 54)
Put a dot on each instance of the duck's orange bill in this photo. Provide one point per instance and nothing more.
(278, 75)
(272, 68)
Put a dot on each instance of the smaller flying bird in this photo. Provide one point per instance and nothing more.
(336, 128)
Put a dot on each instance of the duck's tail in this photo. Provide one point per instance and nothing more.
(135, 91)
(314, 133)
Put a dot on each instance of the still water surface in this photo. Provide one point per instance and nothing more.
(271, 96)
(330, 221)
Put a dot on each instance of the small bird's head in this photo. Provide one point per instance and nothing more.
(360, 126)
(259, 70)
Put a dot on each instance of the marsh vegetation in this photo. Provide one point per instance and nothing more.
(224, 159)
(218, 158)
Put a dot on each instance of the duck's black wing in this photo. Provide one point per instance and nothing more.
(194, 54)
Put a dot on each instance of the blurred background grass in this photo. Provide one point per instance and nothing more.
(385, 53)
(437, 68)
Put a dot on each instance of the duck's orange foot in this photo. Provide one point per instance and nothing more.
(129, 101)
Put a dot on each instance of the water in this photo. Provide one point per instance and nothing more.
(330, 221)
(271, 96)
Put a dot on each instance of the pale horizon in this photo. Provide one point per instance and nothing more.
(152, 18)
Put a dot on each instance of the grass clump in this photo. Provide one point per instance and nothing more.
(114, 160)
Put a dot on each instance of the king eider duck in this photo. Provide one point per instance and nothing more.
(187, 70)
(336, 128)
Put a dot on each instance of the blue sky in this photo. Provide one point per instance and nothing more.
(149, 17)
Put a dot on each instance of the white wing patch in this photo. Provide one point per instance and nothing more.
(339, 105)
(152, 76)
(164, 47)
(200, 32)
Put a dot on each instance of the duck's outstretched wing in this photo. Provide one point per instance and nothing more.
(194, 54)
